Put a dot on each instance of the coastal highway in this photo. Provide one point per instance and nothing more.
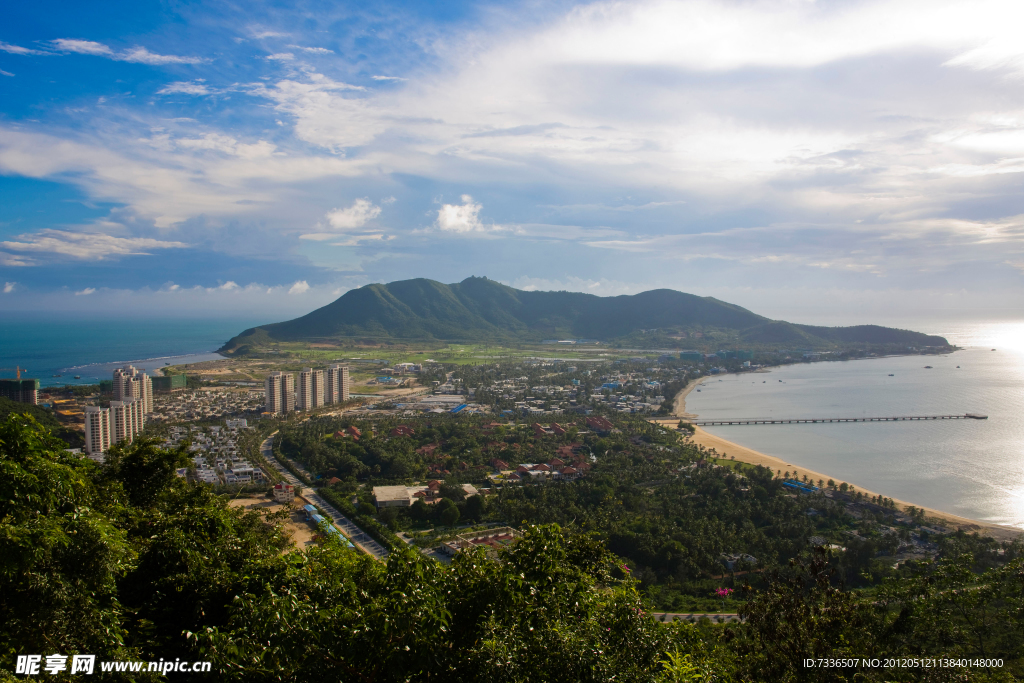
(358, 537)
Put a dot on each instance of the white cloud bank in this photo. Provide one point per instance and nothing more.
(138, 55)
(85, 245)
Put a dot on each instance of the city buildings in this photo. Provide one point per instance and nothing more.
(130, 384)
(104, 427)
(337, 386)
(97, 430)
(310, 393)
(280, 392)
(20, 390)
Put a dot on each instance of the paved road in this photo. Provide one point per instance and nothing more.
(680, 616)
(358, 537)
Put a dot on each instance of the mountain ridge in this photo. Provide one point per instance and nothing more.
(479, 309)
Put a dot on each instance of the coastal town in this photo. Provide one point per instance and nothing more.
(535, 422)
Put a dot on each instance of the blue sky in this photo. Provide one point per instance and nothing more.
(835, 162)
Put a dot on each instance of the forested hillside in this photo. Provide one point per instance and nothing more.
(481, 309)
(126, 561)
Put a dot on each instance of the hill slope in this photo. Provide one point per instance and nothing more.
(481, 309)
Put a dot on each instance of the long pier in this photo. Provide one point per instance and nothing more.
(813, 420)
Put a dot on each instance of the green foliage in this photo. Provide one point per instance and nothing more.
(481, 309)
(44, 417)
(127, 561)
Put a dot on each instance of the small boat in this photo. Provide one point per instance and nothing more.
(891, 375)
(78, 377)
(166, 363)
(927, 367)
(698, 391)
(958, 367)
(55, 375)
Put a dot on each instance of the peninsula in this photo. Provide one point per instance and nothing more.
(479, 309)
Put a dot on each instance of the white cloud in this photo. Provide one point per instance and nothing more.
(9, 287)
(138, 55)
(15, 260)
(228, 286)
(387, 78)
(5, 73)
(84, 245)
(462, 218)
(84, 47)
(18, 50)
(185, 88)
(313, 50)
(85, 292)
(359, 214)
(346, 219)
(281, 57)
(300, 287)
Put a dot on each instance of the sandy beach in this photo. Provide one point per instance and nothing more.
(724, 448)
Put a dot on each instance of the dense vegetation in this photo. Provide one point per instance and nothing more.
(45, 417)
(481, 309)
(127, 561)
(670, 509)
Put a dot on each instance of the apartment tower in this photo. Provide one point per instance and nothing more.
(310, 393)
(130, 384)
(126, 420)
(337, 386)
(280, 391)
(97, 430)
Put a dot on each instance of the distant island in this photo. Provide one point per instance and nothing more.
(482, 310)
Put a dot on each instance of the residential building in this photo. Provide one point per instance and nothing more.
(20, 390)
(97, 430)
(284, 493)
(170, 382)
(125, 419)
(129, 383)
(336, 387)
(280, 392)
(310, 392)
(392, 496)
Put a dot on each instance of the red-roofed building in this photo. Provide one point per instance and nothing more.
(570, 473)
(402, 430)
(499, 464)
(557, 428)
(354, 431)
(556, 463)
(541, 468)
(600, 425)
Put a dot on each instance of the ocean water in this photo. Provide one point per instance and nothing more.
(91, 348)
(972, 468)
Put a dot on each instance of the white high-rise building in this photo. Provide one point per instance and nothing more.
(337, 384)
(319, 388)
(304, 390)
(97, 430)
(126, 420)
(310, 392)
(280, 392)
(130, 384)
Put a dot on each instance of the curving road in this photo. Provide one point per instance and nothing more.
(359, 538)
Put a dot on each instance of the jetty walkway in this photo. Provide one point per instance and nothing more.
(806, 420)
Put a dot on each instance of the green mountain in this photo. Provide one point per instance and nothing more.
(478, 309)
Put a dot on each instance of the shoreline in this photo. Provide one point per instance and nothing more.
(701, 437)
